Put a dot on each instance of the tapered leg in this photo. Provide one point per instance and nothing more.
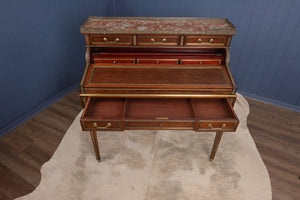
(216, 144)
(95, 144)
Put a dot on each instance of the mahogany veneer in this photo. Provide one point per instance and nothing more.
(158, 73)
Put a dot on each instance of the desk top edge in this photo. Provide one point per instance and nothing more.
(158, 25)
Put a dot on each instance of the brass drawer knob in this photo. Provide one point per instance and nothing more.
(117, 40)
(105, 39)
(211, 40)
(217, 128)
(200, 40)
(152, 40)
(95, 125)
(164, 40)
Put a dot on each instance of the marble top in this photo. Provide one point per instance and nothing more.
(162, 25)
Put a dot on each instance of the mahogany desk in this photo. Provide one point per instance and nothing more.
(158, 74)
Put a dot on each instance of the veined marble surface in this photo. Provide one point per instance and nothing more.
(158, 25)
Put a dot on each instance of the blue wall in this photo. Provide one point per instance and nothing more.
(42, 51)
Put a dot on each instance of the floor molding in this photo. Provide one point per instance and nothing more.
(270, 101)
(29, 114)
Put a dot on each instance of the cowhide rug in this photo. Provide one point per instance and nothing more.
(155, 165)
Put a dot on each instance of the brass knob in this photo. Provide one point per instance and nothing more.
(217, 128)
(152, 40)
(164, 40)
(199, 40)
(157, 62)
(115, 62)
(211, 40)
(105, 39)
(117, 39)
(95, 125)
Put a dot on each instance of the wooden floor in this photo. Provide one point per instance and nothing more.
(276, 132)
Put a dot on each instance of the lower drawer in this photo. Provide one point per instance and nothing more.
(217, 125)
(100, 125)
(199, 114)
(178, 125)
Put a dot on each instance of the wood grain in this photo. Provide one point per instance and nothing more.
(24, 150)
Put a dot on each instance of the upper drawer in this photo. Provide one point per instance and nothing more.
(150, 40)
(110, 40)
(216, 41)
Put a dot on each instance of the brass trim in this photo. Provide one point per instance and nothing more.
(87, 120)
(216, 128)
(227, 60)
(213, 89)
(217, 121)
(134, 40)
(161, 118)
(181, 40)
(87, 60)
(87, 40)
(228, 41)
(148, 46)
(95, 125)
(161, 95)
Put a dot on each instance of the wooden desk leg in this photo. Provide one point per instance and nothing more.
(95, 144)
(216, 144)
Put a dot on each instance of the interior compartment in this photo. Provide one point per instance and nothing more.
(104, 108)
(212, 109)
(158, 109)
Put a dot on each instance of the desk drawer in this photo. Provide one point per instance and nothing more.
(214, 115)
(114, 61)
(101, 125)
(217, 125)
(200, 61)
(111, 40)
(157, 61)
(178, 125)
(200, 114)
(150, 40)
(198, 41)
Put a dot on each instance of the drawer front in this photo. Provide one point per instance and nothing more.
(157, 61)
(217, 125)
(159, 125)
(114, 61)
(205, 41)
(111, 40)
(148, 40)
(101, 125)
(200, 61)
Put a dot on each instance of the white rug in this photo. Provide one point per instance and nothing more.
(155, 165)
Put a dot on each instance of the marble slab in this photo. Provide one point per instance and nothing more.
(162, 25)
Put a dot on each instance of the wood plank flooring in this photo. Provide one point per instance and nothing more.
(276, 132)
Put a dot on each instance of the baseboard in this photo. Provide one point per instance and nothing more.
(270, 101)
(37, 109)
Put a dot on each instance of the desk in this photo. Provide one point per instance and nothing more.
(158, 74)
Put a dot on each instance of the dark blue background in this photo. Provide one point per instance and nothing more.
(42, 50)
